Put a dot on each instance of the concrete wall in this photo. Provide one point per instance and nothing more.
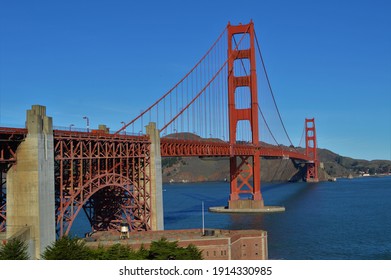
(30, 183)
(156, 178)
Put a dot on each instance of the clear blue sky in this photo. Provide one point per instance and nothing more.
(110, 59)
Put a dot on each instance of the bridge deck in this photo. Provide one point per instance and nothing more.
(176, 147)
(170, 147)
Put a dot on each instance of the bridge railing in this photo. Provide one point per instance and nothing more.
(89, 130)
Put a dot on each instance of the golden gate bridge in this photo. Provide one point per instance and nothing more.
(224, 100)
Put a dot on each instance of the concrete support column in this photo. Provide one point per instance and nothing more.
(30, 183)
(156, 178)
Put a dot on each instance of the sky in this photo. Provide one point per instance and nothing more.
(109, 60)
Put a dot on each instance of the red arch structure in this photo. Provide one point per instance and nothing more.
(109, 215)
(95, 171)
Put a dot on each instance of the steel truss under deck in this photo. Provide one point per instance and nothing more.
(10, 138)
(106, 176)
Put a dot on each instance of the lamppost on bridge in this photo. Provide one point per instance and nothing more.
(123, 124)
(88, 123)
(70, 127)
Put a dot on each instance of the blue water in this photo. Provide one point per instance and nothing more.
(347, 219)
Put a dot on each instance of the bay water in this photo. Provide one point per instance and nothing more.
(346, 219)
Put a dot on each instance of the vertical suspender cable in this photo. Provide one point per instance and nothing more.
(270, 87)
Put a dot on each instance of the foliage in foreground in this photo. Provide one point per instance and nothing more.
(166, 250)
(118, 252)
(68, 248)
(15, 249)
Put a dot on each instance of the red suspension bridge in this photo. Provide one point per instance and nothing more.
(223, 107)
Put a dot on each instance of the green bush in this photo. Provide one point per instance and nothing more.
(15, 249)
(67, 248)
(116, 252)
(166, 250)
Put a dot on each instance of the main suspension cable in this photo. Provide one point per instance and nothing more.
(270, 87)
(175, 86)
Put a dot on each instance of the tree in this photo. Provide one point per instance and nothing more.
(15, 249)
(166, 250)
(121, 252)
(192, 253)
(67, 248)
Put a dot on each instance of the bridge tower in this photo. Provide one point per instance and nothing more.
(244, 169)
(310, 150)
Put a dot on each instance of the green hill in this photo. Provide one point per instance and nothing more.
(340, 166)
(195, 169)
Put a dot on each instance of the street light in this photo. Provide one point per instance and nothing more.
(70, 127)
(123, 124)
(88, 123)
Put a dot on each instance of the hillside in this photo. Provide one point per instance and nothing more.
(340, 166)
(194, 169)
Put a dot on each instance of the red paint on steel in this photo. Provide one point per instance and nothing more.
(310, 150)
(106, 175)
(241, 184)
(10, 138)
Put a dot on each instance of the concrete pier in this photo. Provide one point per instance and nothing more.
(156, 178)
(264, 209)
(30, 184)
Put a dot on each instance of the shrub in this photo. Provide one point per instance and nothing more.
(166, 250)
(15, 249)
(67, 248)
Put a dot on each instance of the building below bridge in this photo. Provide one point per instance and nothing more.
(215, 244)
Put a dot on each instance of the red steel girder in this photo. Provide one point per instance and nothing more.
(2, 202)
(98, 172)
(10, 138)
(240, 177)
(311, 151)
(177, 147)
(171, 147)
(2, 217)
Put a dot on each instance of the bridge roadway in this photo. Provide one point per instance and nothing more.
(187, 148)
(170, 147)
